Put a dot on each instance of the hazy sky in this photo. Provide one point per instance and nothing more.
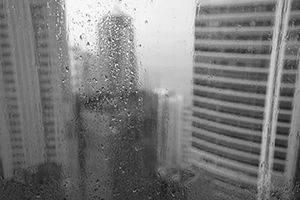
(163, 30)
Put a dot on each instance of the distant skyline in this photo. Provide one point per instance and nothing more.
(164, 36)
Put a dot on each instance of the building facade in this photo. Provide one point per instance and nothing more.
(34, 83)
(233, 81)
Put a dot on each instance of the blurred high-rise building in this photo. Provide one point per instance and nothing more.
(115, 71)
(169, 128)
(185, 136)
(120, 147)
(33, 83)
(76, 65)
(235, 55)
(123, 141)
(84, 64)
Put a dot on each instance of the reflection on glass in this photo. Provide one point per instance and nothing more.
(95, 103)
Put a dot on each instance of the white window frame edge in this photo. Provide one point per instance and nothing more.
(272, 98)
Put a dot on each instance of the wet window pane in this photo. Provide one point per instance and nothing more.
(148, 99)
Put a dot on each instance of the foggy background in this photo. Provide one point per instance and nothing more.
(163, 33)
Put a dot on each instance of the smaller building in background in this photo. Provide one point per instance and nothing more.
(173, 120)
(185, 136)
(85, 70)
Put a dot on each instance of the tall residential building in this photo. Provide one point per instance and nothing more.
(116, 70)
(169, 128)
(33, 82)
(237, 57)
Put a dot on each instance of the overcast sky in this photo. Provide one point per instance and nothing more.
(163, 30)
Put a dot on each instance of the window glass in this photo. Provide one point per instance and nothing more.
(147, 99)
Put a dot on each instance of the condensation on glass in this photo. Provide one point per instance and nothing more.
(77, 123)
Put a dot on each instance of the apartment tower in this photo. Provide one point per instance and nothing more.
(33, 82)
(246, 66)
(169, 128)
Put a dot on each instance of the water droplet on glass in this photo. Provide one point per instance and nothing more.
(172, 193)
(95, 80)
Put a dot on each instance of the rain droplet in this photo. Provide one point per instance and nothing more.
(95, 80)
(172, 193)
